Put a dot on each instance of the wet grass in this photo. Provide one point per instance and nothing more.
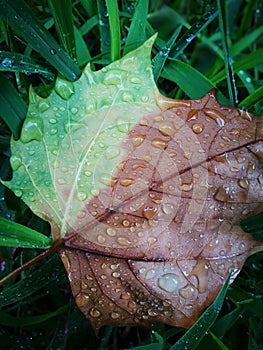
(201, 45)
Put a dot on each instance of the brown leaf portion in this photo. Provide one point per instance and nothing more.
(166, 229)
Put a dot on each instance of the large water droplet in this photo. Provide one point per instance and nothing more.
(43, 105)
(127, 182)
(167, 128)
(149, 212)
(32, 129)
(168, 282)
(64, 89)
(137, 140)
(113, 77)
(198, 128)
(111, 232)
(82, 196)
(159, 143)
(187, 292)
(15, 162)
(94, 312)
(122, 125)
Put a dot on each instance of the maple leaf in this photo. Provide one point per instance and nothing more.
(147, 192)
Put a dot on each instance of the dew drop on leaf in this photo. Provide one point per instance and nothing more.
(64, 88)
(32, 130)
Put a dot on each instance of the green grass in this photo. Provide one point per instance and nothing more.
(201, 45)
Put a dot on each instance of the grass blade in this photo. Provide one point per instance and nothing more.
(136, 35)
(223, 25)
(20, 17)
(195, 334)
(195, 29)
(115, 35)
(62, 13)
(12, 106)
(160, 59)
(191, 81)
(104, 27)
(15, 62)
(252, 99)
(16, 235)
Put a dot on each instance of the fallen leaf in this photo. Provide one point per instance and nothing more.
(148, 192)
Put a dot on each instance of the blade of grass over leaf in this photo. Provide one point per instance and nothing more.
(62, 14)
(196, 333)
(12, 106)
(16, 235)
(254, 225)
(160, 59)
(136, 35)
(192, 82)
(15, 62)
(115, 36)
(27, 25)
(83, 54)
(218, 341)
(195, 29)
(223, 25)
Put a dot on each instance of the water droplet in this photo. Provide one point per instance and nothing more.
(137, 140)
(88, 173)
(150, 274)
(167, 128)
(111, 232)
(243, 183)
(82, 196)
(112, 152)
(101, 239)
(18, 193)
(123, 241)
(152, 313)
(186, 187)
(94, 312)
(159, 143)
(105, 179)
(122, 125)
(32, 129)
(113, 77)
(64, 88)
(216, 116)
(125, 296)
(53, 52)
(241, 246)
(126, 223)
(221, 195)
(260, 179)
(127, 97)
(198, 128)
(116, 274)
(127, 182)
(131, 304)
(53, 131)
(43, 105)
(135, 80)
(149, 212)
(168, 282)
(114, 315)
(167, 208)
(74, 110)
(52, 121)
(187, 292)
(15, 162)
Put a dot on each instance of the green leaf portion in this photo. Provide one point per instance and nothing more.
(20, 17)
(195, 334)
(76, 132)
(16, 235)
